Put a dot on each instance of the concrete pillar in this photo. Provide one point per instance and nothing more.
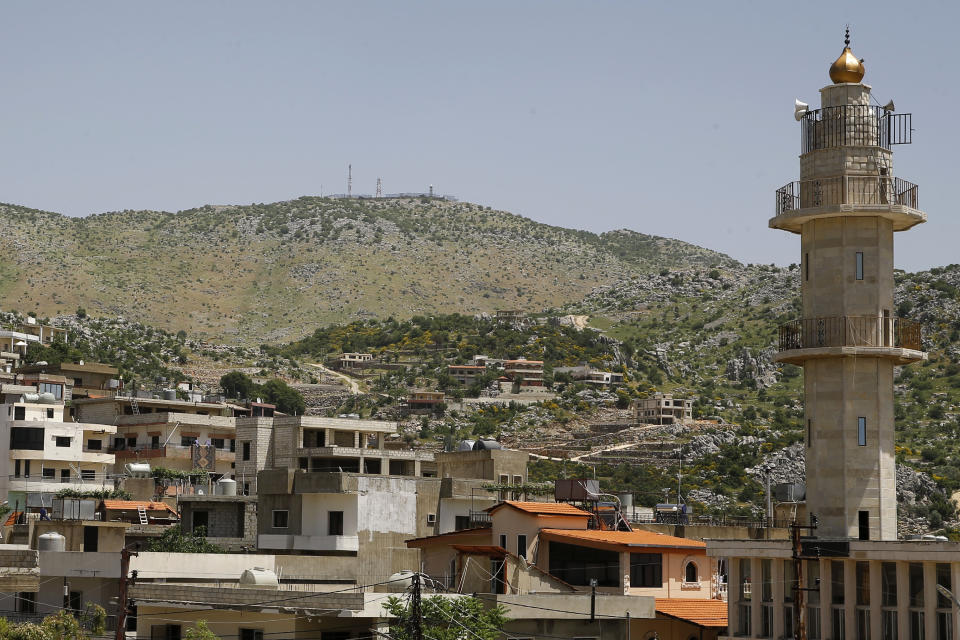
(756, 586)
(356, 439)
(625, 572)
(777, 576)
(826, 597)
(903, 599)
(954, 586)
(384, 466)
(733, 595)
(930, 599)
(876, 600)
(850, 598)
(416, 468)
(328, 437)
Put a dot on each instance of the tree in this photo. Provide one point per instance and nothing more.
(174, 540)
(237, 384)
(200, 632)
(458, 618)
(287, 399)
(62, 625)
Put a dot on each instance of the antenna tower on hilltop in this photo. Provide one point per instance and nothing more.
(349, 180)
(379, 188)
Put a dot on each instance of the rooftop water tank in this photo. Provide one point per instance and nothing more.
(259, 578)
(52, 541)
(486, 445)
(138, 469)
(47, 398)
(169, 394)
(399, 581)
(789, 492)
(227, 487)
(626, 500)
(466, 445)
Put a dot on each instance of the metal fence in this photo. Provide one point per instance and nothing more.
(863, 190)
(850, 331)
(854, 125)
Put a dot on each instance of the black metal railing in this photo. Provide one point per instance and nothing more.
(854, 125)
(850, 331)
(862, 190)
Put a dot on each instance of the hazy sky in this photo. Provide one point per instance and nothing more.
(670, 118)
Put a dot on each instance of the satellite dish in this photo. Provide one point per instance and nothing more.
(800, 109)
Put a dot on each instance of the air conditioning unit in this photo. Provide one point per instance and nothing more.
(431, 518)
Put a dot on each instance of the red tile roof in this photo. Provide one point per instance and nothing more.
(542, 508)
(12, 520)
(133, 505)
(445, 538)
(625, 538)
(481, 550)
(710, 614)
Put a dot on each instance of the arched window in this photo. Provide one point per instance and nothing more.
(690, 573)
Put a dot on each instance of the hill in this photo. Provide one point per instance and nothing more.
(274, 272)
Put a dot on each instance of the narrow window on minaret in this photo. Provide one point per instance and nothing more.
(806, 266)
(862, 431)
(809, 432)
(859, 265)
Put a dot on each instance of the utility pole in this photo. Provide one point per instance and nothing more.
(416, 613)
(125, 555)
(379, 188)
(349, 180)
(593, 599)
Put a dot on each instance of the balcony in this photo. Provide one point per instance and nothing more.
(854, 125)
(174, 451)
(308, 542)
(806, 338)
(879, 196)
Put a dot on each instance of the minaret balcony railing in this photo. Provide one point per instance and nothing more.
(839, 190)
(850, 331)
(854, 125)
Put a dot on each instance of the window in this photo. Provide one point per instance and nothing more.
(246, 450)
(517, 479)
(579, 565)
(280, 518)
(26, 602)
(49, 414)
(119, 444)
(863, 523)
(690, 573)
(132, 442)
(49, 473)
(915, 575)
(863, 582)
(187, 441)
(806, 266)
(218, 443)
(64, 475)
(862, 431)
(26, 438)
(88, 474)
(461, 522)
(63, 441)
(888, 583)
(233, 445)
(251, 634)
(55, 389)
(859, 265)
(19, 413)
(154, 442)
(16, 468)
(335, 523)
(646, 570)
(836, 582)
(165, 632)
(522, 546)
(503, 541)
(75, 600)
(809, 432)
(95, 445)
(504, 478)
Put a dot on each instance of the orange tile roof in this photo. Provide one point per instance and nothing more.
(626, 538)
(542, 508)
(122, 505)
(483, 532)
(482, 550)
(704, 613)
(12, 520)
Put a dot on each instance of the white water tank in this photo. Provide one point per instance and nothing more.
(47, 398)
(399, 582)
(52, 541)
(138, 469)
(259, 578)
(227, 487)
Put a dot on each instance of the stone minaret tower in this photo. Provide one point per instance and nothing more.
(846, 208)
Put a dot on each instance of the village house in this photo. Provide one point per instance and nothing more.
(663, 408)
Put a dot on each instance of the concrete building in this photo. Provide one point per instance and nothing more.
(85, 378)
(16, 339)
(848, 576)
(423, 401)
(354, 360)
(43, 452)
(466, 374)
(525, 373)
(227, 520)
(663, 408)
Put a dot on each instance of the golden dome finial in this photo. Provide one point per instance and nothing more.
(847, 68)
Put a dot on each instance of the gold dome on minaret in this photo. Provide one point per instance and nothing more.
(847, 68)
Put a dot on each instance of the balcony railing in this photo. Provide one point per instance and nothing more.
(877, 190)
(854, 125)
(850, 331)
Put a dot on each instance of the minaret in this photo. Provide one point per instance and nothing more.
(846, 208)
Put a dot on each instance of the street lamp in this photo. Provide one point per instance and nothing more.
(946, 593)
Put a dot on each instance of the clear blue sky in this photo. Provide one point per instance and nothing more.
(668, 118)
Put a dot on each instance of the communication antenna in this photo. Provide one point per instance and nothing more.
(349, 180)
(431, 191)
(379, 188)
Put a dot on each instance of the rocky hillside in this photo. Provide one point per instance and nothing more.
(274, 272)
